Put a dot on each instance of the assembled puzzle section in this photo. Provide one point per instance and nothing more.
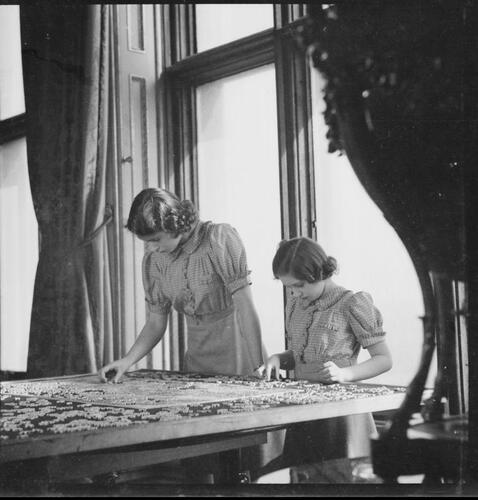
(151, 389)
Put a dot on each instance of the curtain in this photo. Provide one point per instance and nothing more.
(66, 64)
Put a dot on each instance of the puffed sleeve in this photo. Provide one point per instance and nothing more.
(155, 299)
(229, 257)
(365, 319)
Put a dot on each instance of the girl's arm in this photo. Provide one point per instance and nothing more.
(380, 361)
(250, 324)
(280, 361)
(150, 335)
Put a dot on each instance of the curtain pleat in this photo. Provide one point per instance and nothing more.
(66, 51)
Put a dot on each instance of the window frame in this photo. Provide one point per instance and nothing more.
(12, 128)
(185, 70)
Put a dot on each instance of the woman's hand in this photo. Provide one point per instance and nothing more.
(150, 335)
(272, 365)
(112, 372)
(331, 373)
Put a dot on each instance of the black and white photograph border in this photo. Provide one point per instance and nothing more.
(238, 248)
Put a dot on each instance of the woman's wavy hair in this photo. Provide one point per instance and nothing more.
(304, 259)
(157, 209)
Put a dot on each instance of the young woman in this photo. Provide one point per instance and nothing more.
(326, 326)
(200, 269)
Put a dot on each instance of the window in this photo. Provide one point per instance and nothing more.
(249, 194)
(18, 226)
(217, 24)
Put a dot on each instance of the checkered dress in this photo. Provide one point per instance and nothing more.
(331, 328)
(198, 279)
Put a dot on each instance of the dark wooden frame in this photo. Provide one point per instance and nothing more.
(294, 104)
(12, 128)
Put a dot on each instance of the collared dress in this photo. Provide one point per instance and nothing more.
(198, 279)
(332, 328)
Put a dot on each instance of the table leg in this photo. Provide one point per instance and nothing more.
(232, 469)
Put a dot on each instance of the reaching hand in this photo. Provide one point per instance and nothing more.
(112, 372)
(331, 373)
(272, 365)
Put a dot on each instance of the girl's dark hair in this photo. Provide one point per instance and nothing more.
(304, 259)
(157, 209)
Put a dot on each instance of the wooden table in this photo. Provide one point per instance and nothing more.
(79, 427)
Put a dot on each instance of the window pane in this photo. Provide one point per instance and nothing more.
(370, 255)
(217, 24)
(239, 179)
(18, 255)
(11, 80)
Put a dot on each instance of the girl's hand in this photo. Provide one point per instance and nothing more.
(272, 365)
(112, 372)
(331, 373)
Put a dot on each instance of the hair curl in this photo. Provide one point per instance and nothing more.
(157, 209)
(304, 259)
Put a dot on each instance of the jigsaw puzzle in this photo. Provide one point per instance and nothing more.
(84, 403)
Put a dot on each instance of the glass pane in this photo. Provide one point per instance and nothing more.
(239, 179)
(371, 256)
(18, 255)
(217, 24)
(11, 78)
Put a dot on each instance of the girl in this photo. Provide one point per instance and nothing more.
(326, 325)
(200, 269)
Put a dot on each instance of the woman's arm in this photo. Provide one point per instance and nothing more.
(250, 322)
(150, 335)
(380, 361)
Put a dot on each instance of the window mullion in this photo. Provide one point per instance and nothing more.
(12, 128)
(229, 59)
(295, 138)
(177, 133)
(285, 13)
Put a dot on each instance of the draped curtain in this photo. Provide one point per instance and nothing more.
(66, 54)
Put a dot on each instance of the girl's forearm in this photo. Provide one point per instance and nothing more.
(150, 335)
(367, 369)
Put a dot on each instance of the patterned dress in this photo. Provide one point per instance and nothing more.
(198, 279)
(332, 328)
